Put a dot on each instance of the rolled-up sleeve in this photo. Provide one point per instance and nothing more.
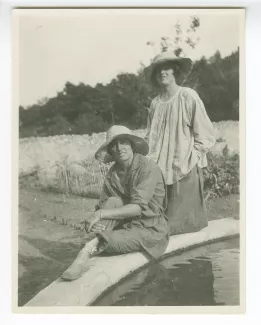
(144, 190)
(203, 130)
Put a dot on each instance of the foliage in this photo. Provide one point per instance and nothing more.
(82, 109)
(217, 82)
(222, 175)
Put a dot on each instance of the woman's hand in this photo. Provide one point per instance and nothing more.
(98, 227)
(95, 218)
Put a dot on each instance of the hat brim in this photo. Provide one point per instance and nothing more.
(139, 146)
(185, 65)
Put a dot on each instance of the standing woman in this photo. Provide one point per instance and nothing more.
(179, 134)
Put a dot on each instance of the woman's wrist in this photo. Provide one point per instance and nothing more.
(107, 213)
(101, 214)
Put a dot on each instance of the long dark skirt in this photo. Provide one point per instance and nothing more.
(186, 207)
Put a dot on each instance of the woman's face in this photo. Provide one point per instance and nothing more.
(165, 74)
(121, 150)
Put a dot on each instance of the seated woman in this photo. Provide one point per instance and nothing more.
(130, 215)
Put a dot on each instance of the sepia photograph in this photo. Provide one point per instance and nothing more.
(129, 159)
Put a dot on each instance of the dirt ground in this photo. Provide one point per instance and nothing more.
(50, 234)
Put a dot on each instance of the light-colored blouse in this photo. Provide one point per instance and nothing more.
(179, 133)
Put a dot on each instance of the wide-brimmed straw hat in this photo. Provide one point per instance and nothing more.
(121, 132)
(185, 65)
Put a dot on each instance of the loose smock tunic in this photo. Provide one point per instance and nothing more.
(179, 134)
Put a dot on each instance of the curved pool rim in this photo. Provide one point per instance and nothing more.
(107, 272)
(162, 258)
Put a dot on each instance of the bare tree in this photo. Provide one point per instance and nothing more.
(180, 40)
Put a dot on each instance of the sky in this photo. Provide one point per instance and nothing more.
(94, 45)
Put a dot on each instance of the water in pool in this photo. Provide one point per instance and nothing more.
(204, 276)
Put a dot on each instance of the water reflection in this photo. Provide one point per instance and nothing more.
(205, 276)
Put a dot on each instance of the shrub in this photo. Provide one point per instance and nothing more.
(222, 174)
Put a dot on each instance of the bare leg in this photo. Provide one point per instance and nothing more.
(80, 264)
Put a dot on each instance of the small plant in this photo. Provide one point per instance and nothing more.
(222, 175)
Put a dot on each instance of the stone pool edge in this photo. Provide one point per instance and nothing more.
(106, 271)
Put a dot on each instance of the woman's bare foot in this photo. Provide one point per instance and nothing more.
(78, 267)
